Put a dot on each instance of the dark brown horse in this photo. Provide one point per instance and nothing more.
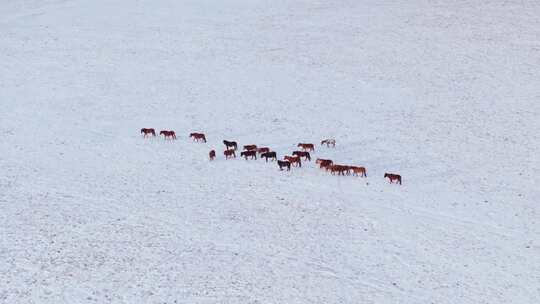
(251, 153)
(293, 160)
(303, 154)
(393, 177)
(307, 147)
(230, 144)
(148, 131)
(250, 147)
(168, 134)
(284, 164)
(271, 155)
(229, 153)
(329, 142)
(198, 137)
(324, 163)
(212, 154)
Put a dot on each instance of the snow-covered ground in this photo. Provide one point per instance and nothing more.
(446, 93)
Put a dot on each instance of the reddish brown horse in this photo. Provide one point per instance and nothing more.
(271, 155)
(250, 153)
(230, 144)
(306, 147)
(329, 142)
(198, 137)
(324, 163)
(284, 164)
(229, 153)
(294, 160)
(262, 150)
(212, 154)
(250, 147)
(148, 131)
(393, 177)
(358, 170)
(168, 134)
(339, 169)
(303, 154)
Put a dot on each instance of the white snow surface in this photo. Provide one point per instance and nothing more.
(445, 93)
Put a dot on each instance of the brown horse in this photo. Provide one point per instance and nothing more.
(168, 134)
(329, 142)
(212, 154)
(251, 153)
(230, 144)
(294, 160)
(302, 154)
(284, 164)
(271, 155)
(262, 150)
(250, 147)
(229, 153)
(306, 147)
(148, 131)
(339, 169)
(358, 170)
(393, 177)
(198, 137)
(323, 163)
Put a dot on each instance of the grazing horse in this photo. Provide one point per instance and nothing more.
(302, 154)
(263, 150)
(230, 144)
(212, 154)
(329, 142)
(251, 153)
(148, 131)
(198, 137)
(393, 177)
(358, 170)
(324, 163)
(229, 153)
(168, 134)
(271, 155)
(294, 160)
(250, 147)
(284, 164)
(306, 147)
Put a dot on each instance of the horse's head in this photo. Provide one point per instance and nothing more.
(162, 132)
(385, 175)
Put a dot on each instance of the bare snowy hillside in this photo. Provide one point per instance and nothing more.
(445, 93)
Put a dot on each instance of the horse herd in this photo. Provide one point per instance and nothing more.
(294, 160)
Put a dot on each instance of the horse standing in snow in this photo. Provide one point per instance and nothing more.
(324, 163)
(148, 131)
(251, 153)
(198, 137)
(329, 142)
(212, 154)
(293, 160)
(271, 155)
(393, 177)
(168, 134)
(358, 170)
(307, 147)
(230, 144)
(284, 164)
(229, 154)
(250, 147)
(303, 154)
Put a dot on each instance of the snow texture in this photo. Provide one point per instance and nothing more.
(445, 93)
